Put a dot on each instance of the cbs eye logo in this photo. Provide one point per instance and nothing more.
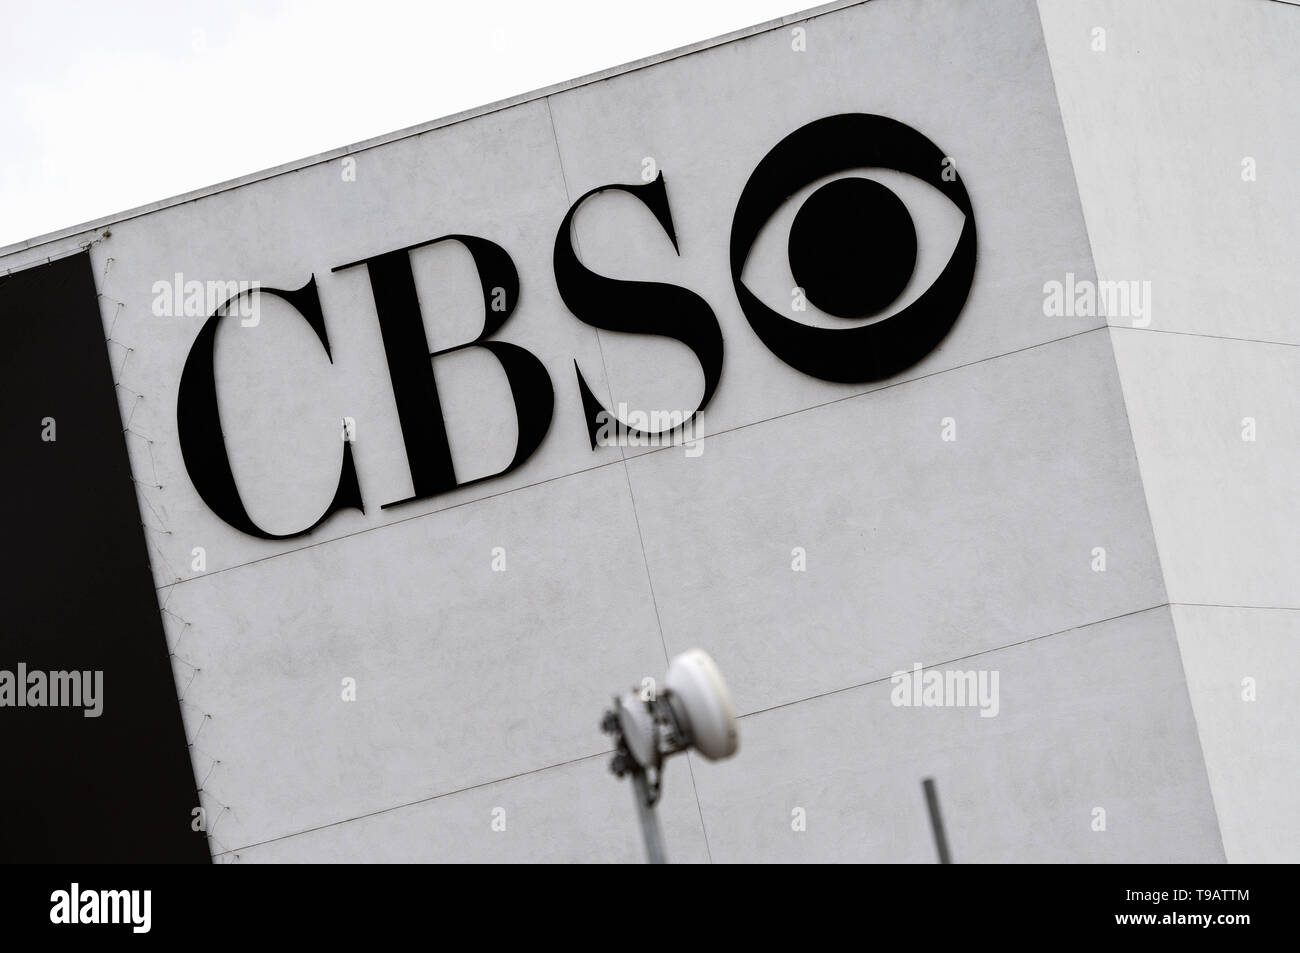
(852, 248)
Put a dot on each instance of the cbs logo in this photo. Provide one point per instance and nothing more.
(852, 248)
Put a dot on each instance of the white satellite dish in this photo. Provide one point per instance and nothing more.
(693, 711)
(701, 701)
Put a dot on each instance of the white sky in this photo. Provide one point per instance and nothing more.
(106, 106)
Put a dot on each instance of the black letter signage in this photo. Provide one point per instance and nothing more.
(852, 249)
(198, 421)
(410, 364)
(868, 222)
(638, 307)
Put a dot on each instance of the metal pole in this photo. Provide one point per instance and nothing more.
(936, 821)
(654, 841)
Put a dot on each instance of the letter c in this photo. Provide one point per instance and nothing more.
(198, 420)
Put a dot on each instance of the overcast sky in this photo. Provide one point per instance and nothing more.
(106, 106)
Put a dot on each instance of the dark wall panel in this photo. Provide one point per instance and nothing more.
(79, 596)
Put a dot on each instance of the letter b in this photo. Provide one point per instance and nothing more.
(410, 363)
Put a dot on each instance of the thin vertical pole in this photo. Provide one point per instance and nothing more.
(936, 821)
(654, 841)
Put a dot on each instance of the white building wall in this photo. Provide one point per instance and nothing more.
(1166, 127)
(479, 690)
